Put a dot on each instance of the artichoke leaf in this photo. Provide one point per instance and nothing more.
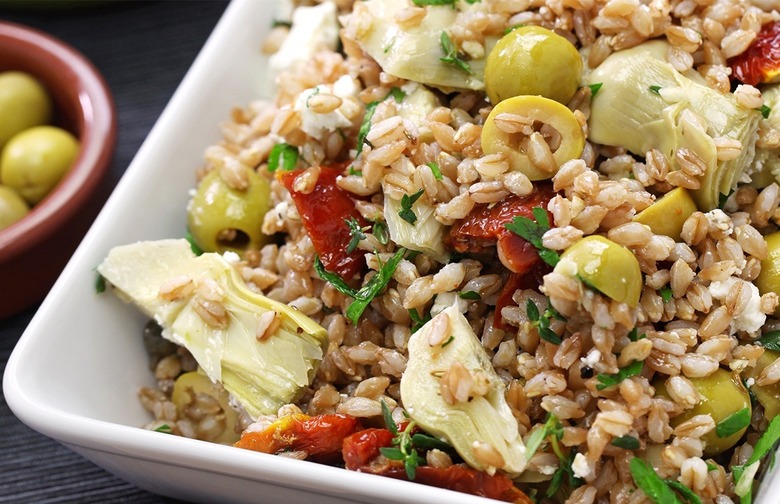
(413, 53)
(766, 165)
(426, 235)
(261, 375)
(464, 424)
(644, 104)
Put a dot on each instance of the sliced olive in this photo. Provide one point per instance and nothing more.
(668, 214)
(768, 279)
(767, 395)
(604, 265)
(12, 207)
(196, 397)
(722, 394)
(513, 124)
(222, 218)
(531, 60)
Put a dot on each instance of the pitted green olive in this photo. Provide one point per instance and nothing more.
(194, 393)
(222, 218)
(510, 125)
(610, 268)
(668, 214)
(24, 103)
(12, 207)
(531, 60)
(767, 395)
(35, 160)
(722, 394)
(768, 279)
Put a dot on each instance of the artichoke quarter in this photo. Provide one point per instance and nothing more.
(766, 165)
(644, 103)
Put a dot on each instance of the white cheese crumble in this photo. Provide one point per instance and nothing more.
(718, 219)
(313, 28)
(593, 358)
(580, 466)
(317, 125)
(447, 299)
(231, 257)
(752, 318)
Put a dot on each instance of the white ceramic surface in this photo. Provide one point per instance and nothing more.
(74, 373)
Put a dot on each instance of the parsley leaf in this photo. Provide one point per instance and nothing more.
(564, 469)
(688, 494)
(655, 89)
(733, 423)
(421, 3)
(449, 340)
(626, 442)
(369, 291)
(634, 335)
(336, 281)
(397, 93)
(404, 441)
(435, 170)
(451, 54)
(770, 340)
(594, 88)
(194, 246)
(380, 232)
(284, 155)
(417, 321)
(165, 429)
(542, 321)
(365, 126)
(723, 198)
(510, 29)
(532, 232)
(666, 294)
(765, 111)
(552, 426)
(469, 295)
(651, 484)
(356, 233)
(610, 380)
(100, 284)
(406, 212)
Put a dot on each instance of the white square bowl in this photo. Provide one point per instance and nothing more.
(75, 372)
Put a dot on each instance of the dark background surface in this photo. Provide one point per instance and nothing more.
(143, 49)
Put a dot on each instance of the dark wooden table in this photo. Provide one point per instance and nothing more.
(143, 50)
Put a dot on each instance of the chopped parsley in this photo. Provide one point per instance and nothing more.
(193, 246)
(449, 340)
(765, 111)
(594, 88)
(353, 171)
(469, 295)
(626, 442)
(165, 429)
(380, 232)
(422, 3)
(280, 22)
(397, 93)
(733, 423)
(512, 28)
(532, 232)
(564, 470)
(634, 335)
(666, 294)
(651, 484)
(744, 474)
(610, 380)
(417, 321)
(356, 233)
(407, 201)
(451, 54)
(655, 89)
(552, 427)
(541, 321)
(770, 340)
(435, 170)
(282, 155)
(100, 284)
(723, 198)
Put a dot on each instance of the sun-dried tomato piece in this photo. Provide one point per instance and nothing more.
(760, 63)
(361, 448)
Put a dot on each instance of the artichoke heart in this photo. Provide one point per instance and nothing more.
(426, 235)
(202, 304)
(644, 103)
(483, 419)
(413, 53)
(766, 165)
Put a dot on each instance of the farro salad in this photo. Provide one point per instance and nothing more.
(523, 249)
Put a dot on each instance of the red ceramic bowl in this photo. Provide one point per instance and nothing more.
(34, 250)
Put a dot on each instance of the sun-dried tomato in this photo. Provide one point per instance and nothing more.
(324, 212)
(531, 279)
(361, 448)
(760, 63)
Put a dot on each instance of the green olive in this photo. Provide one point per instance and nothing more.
(768, 279)
(668, 214)
(722, 394)
(12, 207)
(610, 268)
(35, 160)
(222, 218)
(500, 139)
(531, 60)
(24, 103)
(186, 389)
(767, 395)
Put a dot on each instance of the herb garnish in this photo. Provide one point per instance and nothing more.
(744, 474)
(469, 295)
(165, 429)
(280, 22)
(100, 284)
(765, 111)
(193, 246)
(564, 469)
(353, 171)
(610, 380)
(723, 198)
(406, 212)
(733, 423)
(397, 93)
(651, 484)
(449, 340)
(541, 321)
(655, 89)
(594, 88)
(626, 442)
(552, 427)
(363, 296)
(417, 321)
(770, 340)
(356, 232)
(284, 155)
(683, 490)
(634, 335)
(435, 170)
(421, 3)
(510, 29)
(532, 232)
(666, 294)
(380, 232)
(451, 54)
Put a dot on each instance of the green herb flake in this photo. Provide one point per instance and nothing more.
(422, 3)
(687, 494)
(451, 54)
(403, 449)
(765, 111)
(276, 23)
(564, 471)
(655, 89)
(397, 93)
(723, 198)
(356, 233)
(365, 126)
(651, 484)
(100, 284)
(542, 321)
(165, 429)
(283, 156)
(449, 340)
(417, 321)
(380, 232)
(512, 28)
(610, 380)
(353, 171)
(551, 427)
(435, 170)
(407, 201)
(470, 295)
(626, 442)
(532, 232)
(193, 245)
(594, 88)
(666, 294)
(711, 467)
(374, 286)
(770, 340)
(336, 281)
(733, 423)
(634, 335)
(426, 442)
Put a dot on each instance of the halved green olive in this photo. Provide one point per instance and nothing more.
(507, 128)
(722, 394)
(194, 394)
(610, 268)
(12, 207)
(668, 214)
(531, 60)
(222, 218)
(768, 279)
(767, 395)
(24, 103)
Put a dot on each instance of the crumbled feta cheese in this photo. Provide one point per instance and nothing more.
(749, 382)
(752, 318)
(547, 470)
(317, 125)
(231, 256)
(593, 358)
(719, 220)
(580, 466)
(313, 28)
